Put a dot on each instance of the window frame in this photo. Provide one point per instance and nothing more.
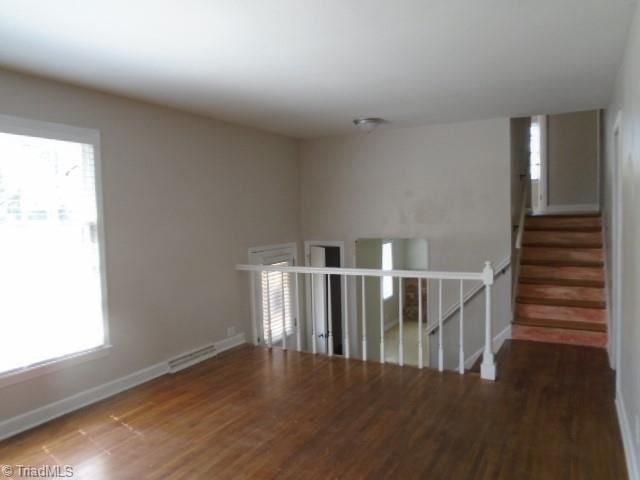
(256, 256)
(57, 131)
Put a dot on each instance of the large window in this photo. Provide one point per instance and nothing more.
(387, 264)
(51, 300)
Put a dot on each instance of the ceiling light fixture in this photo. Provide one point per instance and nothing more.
(369, 124)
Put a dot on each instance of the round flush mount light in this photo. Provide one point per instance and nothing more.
(368, 124)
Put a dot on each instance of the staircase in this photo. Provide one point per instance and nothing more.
(561, 296)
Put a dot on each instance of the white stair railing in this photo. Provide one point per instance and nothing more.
(487, 369)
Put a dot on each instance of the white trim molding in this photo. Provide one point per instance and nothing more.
(28, 420)
(577, 208)
(630, 454)
(27, 373)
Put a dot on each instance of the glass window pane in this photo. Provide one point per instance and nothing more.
(50, 276)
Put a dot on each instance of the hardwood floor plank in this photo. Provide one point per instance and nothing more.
(251, 413)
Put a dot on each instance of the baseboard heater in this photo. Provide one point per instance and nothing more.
(191, 358)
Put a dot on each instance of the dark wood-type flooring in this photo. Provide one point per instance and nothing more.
(249, 413)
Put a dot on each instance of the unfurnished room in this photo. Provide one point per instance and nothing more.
(320, 240)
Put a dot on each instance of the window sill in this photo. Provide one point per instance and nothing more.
(34, 371)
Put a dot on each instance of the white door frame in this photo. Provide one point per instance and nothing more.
(255, 256)
(616, 240)
(307, 249)
(543, 182)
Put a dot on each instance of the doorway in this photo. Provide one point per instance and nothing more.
(326, 294)
(538, 163)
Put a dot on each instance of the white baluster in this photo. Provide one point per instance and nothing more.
(400, 325)
(298, 329)
(346, 315)
(381, 320)
(329, 333)
(440, 346)
(314, 347)
(254, 316)
(488, 366)
(364, 321)
(420, 346)
(284, 314)
(269, 338)
(461, 366)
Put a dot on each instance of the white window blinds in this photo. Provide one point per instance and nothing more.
(50, 281)
(276, 303)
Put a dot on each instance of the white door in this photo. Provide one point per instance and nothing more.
(318, 258)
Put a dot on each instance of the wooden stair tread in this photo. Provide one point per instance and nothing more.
(562, 281)
(562, 313)
(553, 239)
(595, 274)
(562, 263)
(564, 221)
(590, 255)
(560, 228)
(561, 302)
(556, 292)
(567, 215)
(559, 335)
(558, 323)
(563, 245)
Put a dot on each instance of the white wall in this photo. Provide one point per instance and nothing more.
(185, 196)
(519, 128)
(448, 183)
(572, 145)
(627, 101)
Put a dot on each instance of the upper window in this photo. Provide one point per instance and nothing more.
(534, 149)
(51, 303)
(387, 264)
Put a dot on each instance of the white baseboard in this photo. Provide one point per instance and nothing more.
(630, 451)
(498, 340)
(231, 342)
(578, 208)
(28, 420)
(53, 410)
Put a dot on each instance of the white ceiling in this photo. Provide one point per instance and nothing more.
(306, 68)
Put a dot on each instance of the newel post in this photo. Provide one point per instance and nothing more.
(488, 366)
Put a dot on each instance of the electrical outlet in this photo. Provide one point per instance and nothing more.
(231, 331)
(637, 429)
